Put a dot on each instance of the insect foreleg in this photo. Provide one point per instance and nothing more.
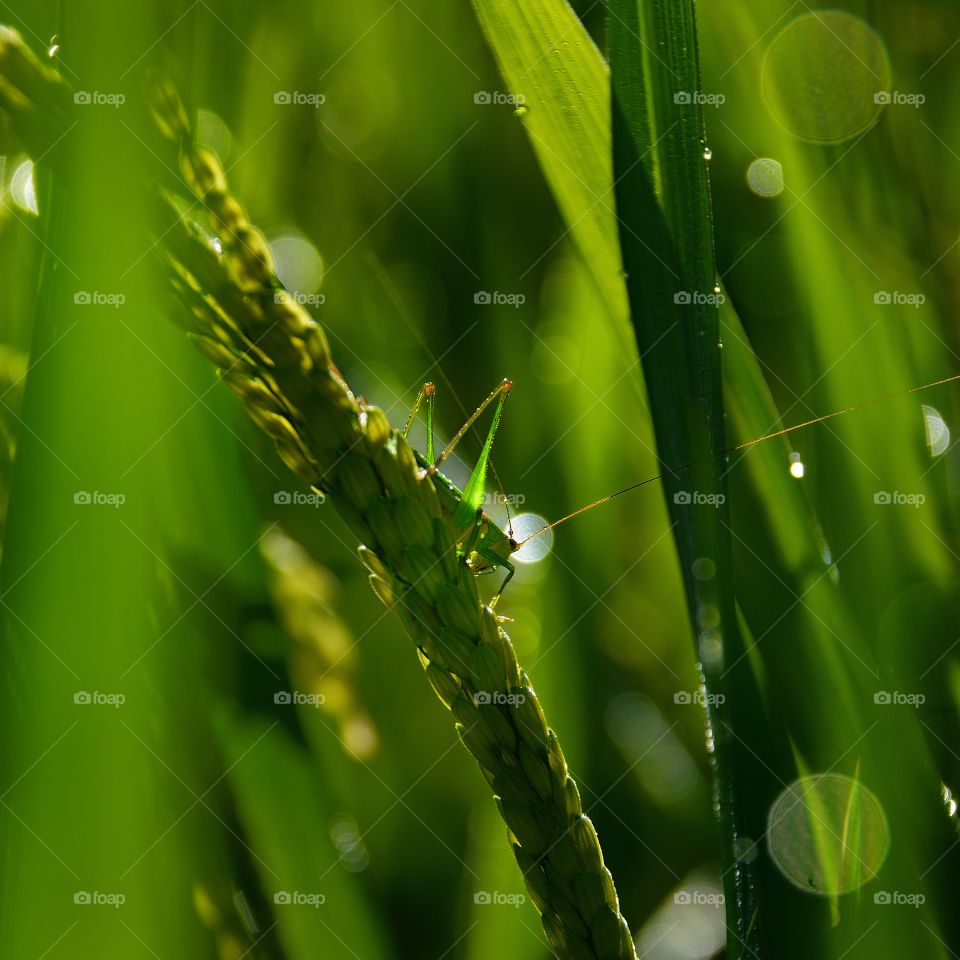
(426, 393)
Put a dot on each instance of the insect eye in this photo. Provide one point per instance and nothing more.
(514, 546)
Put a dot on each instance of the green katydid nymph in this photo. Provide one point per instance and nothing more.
(484, 545)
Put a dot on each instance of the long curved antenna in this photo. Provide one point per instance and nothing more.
(398, 302)
(742, 446)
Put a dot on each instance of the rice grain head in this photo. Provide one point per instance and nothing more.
(276, 358)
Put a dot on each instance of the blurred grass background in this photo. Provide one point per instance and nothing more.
(201, 799)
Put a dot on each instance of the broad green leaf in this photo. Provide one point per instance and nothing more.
(547, 57)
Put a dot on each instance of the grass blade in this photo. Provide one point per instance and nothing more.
(659, 155)
(318, 906)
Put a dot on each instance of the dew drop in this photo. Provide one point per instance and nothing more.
(707, 153)
(765, 177)
(746, 849)
(704, 568)
(520, 111)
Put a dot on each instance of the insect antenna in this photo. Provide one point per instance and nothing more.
(742, 446)
(397, 300)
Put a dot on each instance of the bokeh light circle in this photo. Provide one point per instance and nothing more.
(938, 433)
(23, 190)
(299, 264)
(828, 833)
(526, 525)
(824, 75)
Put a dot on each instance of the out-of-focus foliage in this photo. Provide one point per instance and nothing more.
(412, 209)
